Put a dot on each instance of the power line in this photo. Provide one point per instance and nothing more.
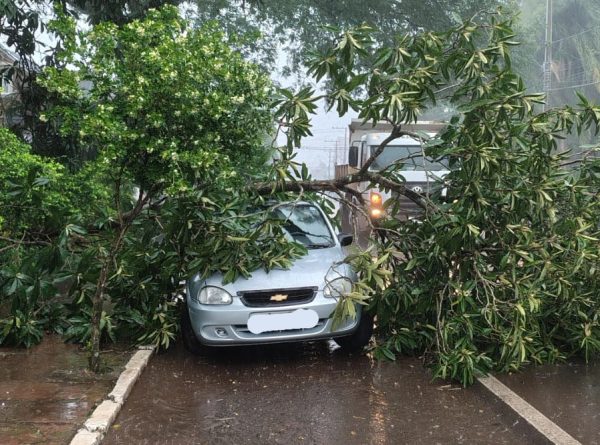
(574, 74)
(579, 57)
(582, 77)
(593, 28)
(575, 86)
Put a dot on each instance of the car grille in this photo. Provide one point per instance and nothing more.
(263, 298)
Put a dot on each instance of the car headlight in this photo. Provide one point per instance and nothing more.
(214, 295)
(338, 288)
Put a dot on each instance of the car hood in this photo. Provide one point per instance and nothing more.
(307, 271)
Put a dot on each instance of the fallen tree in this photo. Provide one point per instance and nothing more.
(501, 273)
(177, 120)
(504, 271)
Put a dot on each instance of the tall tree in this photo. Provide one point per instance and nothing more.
(298, 27)
(295, 28)
(174, 112)
(21, 25)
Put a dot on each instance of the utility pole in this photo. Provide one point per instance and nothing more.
(330, 162)
(335, 162)
(548, 54)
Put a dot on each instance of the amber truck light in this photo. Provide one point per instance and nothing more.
(376, 199)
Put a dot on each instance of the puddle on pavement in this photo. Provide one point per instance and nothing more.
(305, 393)
(46, 393)
(568, 394)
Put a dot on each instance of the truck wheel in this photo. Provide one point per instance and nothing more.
(360, 338)
(190, 341)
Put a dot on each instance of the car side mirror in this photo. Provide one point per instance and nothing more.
(345, 239)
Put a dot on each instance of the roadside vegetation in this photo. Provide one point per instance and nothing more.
(178, 123)
(172, 130)
(501, 270)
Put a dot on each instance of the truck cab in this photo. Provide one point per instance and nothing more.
(422, 174)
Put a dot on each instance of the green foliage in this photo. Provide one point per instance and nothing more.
(21, 329)
(168, 109)
(178, 114)
(498, 273)
(302, 26)
(506, 273)
(178, 123)
(503, 270)
(24, 30)
(31, 188)
(35, 202)
(373, 276)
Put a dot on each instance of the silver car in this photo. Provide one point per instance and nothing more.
(281, 305)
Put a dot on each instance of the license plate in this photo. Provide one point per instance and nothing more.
(283, 321)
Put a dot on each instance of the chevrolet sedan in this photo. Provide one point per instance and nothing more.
(289, 305)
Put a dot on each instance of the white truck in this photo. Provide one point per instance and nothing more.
(421, 173)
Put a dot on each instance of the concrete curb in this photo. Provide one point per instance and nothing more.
(104, 415)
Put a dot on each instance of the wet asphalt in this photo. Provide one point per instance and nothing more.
(46, 392)
(308, 393)
(568, 394)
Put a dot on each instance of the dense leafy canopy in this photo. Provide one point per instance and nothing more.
(31, 187)
(179, 124)
(296, 28)
(503, 270)
(500, 271)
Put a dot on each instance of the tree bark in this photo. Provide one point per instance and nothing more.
(95, 362)
(339, 184)
(124, 223)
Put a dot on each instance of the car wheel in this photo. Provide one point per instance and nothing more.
(190, 341)
(360, 338)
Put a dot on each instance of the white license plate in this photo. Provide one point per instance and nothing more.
(285, 321)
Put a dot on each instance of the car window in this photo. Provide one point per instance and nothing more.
(305, 224)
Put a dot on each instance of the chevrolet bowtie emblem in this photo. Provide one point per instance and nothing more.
(279, 297)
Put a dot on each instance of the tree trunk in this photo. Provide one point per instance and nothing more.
(97, 304)
(125, 221)
(94, 361)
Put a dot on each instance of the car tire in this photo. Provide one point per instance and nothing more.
(359, 338)
(190, 341)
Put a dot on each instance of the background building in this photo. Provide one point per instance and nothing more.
(9, 95)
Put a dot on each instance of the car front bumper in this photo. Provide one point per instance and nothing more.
(223, 325)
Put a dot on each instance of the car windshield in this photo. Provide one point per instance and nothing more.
(305, 224)
(411, 157)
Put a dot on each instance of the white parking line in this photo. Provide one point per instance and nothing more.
(545, 426)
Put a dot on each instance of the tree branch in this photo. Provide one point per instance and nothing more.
(340, 184)
(393, 135)
(396, 133)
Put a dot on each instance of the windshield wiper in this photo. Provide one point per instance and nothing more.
(318, 246)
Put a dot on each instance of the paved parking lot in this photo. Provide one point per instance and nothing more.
(307, 394)
(46, 392)
(568, 394)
